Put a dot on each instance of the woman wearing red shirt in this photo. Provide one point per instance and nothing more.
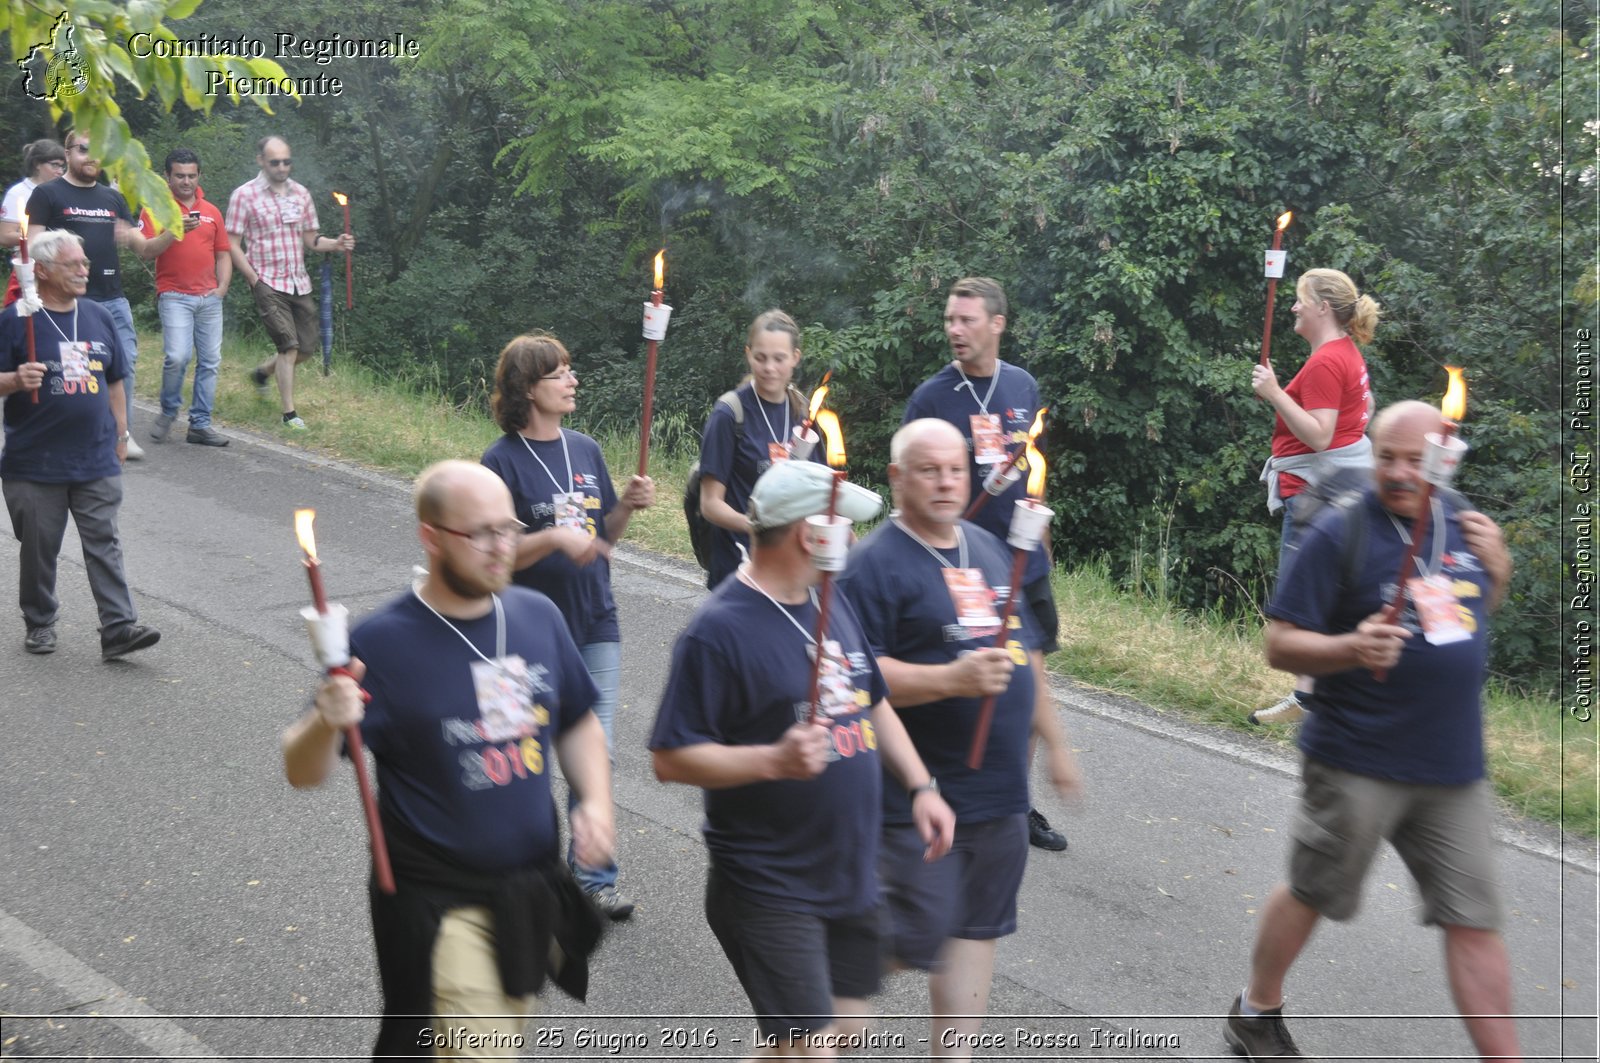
(1322, 415)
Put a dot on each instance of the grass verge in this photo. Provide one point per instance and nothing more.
(1204, 668)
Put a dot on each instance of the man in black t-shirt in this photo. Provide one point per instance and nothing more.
(78, 202)
(793, 805)
(929, 588)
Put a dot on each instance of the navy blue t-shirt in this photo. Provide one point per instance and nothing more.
(909, 613)
(1015, 401)
(741, 675)
(484, 799)
(92, 213)
(581, 592)
(70, 435)
(736, 455)
(1425, 723)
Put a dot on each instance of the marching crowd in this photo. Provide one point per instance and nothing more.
(850, 830)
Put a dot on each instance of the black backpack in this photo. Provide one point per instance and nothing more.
(700, 529)
(1342, 489)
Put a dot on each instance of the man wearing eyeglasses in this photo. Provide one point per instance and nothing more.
(273, 222)
(77, 202)
(473, 685)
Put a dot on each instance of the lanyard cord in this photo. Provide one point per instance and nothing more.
(983, 403)
(744, 574)
(1439, 537)
(63, 335)
(562, 432)
(762, 406)
(961, 544)
(499, 626)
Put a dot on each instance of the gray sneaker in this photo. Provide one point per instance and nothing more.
(40, 640)
(1288, 709)
(1262, 1037)
(613, 905)
(159, 430)
(131, 638)
(206, 437)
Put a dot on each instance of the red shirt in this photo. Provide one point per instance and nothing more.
(1333, 378)
(189, 266)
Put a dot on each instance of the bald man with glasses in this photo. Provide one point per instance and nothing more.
(273, 222)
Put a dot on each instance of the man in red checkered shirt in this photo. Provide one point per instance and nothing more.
(273, 223)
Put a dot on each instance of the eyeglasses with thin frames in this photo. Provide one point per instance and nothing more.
(484, 540)
(561, 374)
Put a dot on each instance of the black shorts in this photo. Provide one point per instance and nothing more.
(792, 965)
(971, 893)
(1041, 601)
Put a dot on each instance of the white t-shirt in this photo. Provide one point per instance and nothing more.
(16, 201)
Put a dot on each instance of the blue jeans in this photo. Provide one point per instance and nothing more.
(190, 323)
(604, 661)
(122, 318)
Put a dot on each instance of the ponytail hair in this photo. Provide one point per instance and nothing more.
(1357, 314)
(773, 321)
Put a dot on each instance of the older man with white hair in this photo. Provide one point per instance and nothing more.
(66, 436)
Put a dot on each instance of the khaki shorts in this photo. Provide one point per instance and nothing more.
(291, 320)
(1443, 833)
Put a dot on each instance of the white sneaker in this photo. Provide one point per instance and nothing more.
(135, 451)
(1288, 710)
(295, 424)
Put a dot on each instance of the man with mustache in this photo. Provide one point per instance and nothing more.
(1401, 759)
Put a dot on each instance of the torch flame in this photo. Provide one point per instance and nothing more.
(1454, 406)
(828, 422)
(661, 268)
(22, 220)
(341, 198)
(817, 398)
(303, 519)
(1036, 471)
(1284, 219)
(1038, 423)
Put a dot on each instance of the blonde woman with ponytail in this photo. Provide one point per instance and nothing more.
(1322, 415)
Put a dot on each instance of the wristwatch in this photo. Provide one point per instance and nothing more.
(931, 786)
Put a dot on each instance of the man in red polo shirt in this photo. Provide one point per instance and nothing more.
(192, 276)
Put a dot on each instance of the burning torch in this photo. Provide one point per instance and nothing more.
(328, 625)
(349, 277)
(1276, 258)
(29, 301)
(656, 314)
(1028, 525)
(804, 439)
(830, 540)
(1000, 479)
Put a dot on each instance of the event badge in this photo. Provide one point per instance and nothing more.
(1438, 610)
(836, 691)
(74, 361)
(777, 452)
(973, 599)
(504, 702)
(988, 439)
(569, 510)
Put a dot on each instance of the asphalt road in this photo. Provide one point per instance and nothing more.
(164, 894)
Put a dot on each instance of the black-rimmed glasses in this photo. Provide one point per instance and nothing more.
(484, 540)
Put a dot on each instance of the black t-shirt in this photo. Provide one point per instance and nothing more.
(93, 214)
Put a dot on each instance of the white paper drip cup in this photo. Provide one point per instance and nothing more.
(1275, 262)
(802, 441)
(1440, 458)
(24, 273)
(655, 321)
(1028, 524)
(1000, 479)
(330, 634)
(829, 539)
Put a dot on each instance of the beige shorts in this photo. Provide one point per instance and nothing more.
(291, 320)
(473, 1017)
(1443, 833)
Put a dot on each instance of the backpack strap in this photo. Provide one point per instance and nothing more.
(730, 399)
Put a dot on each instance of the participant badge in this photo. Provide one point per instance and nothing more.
(988, 439)
(777, 452)
(973, 599)
(74, 361)
(1438, 610)
(569, 510)
(504, 703)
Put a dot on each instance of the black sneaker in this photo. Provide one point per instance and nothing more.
(612, 904)
(40, 640)
(1041, 835)
(133, 637)
(261, 382)
(206, 437)
(1262, 1037)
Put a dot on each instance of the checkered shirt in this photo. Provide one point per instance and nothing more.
(270, 227)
